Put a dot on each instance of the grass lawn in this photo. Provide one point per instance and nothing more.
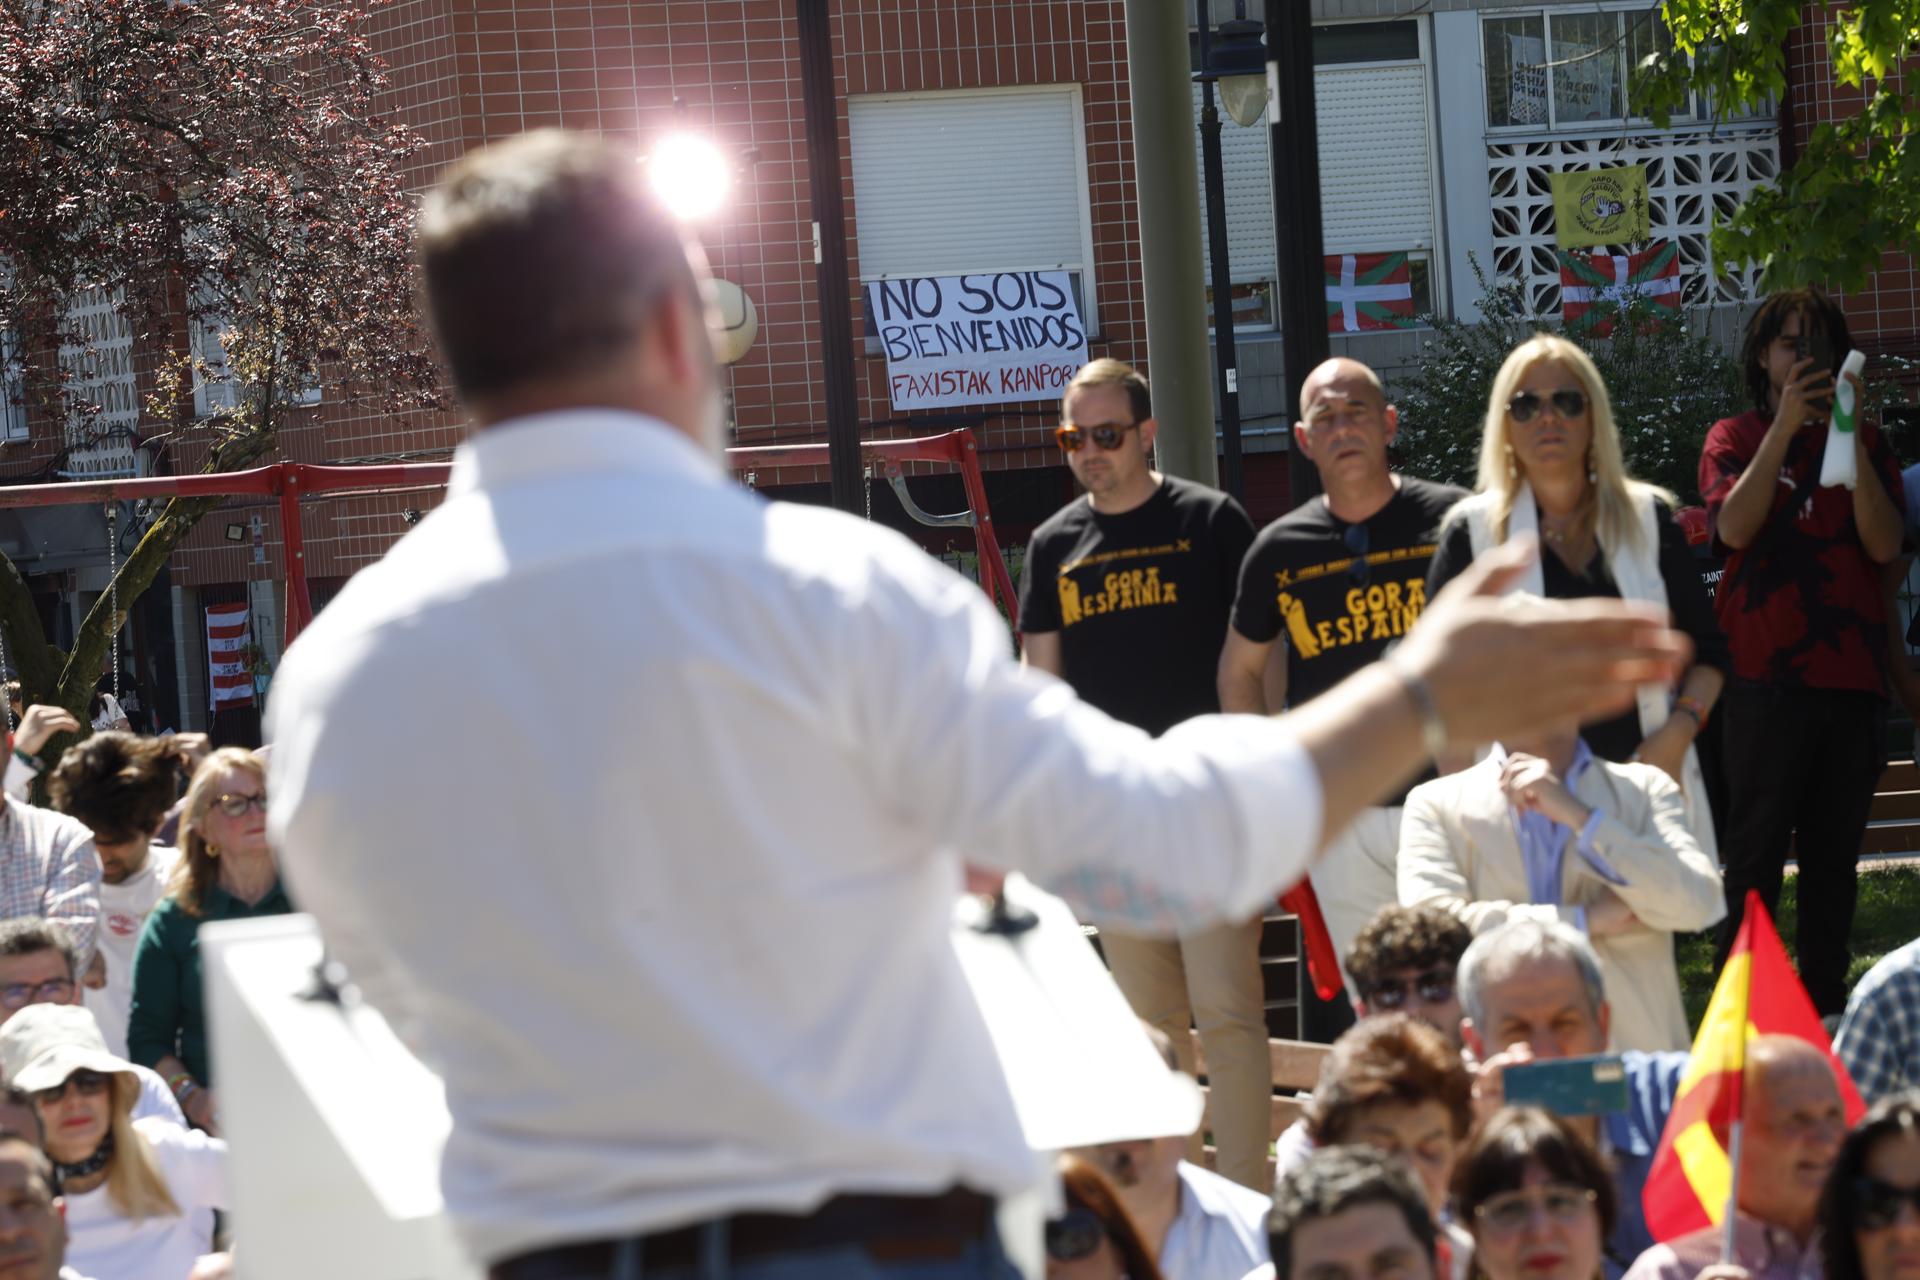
(1888, 917)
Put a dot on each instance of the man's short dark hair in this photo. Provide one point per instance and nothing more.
(15, 1096)
(1818, 314)
(120, 784)
(1399, 938)
(1333, 1180)
(544, 256)
(38, 1160)
(24, 935)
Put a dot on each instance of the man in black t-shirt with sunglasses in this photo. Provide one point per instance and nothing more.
(1340, 578)
(1125, 597)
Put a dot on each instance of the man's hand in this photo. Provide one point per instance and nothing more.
(213, 1266)
(200, 1110)
(1531, 784)
(1490, 1080)
(39, 724)
(1507, 668)
(1804, 384)
(193, 747)
(95, 978)
(1609, 916)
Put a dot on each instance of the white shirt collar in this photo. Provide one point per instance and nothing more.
(570, 440)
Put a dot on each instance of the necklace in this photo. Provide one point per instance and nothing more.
(1562, 530)
(65, 1173)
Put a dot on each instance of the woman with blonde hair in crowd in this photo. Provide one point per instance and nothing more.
(1551, 466)
(226, 872)
(140, 1194)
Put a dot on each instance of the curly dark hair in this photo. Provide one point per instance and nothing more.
(119, 784)
(1391, 1059)
(1334, 1179)
(1400, 937)
(1839, 1249)
(1818, 313)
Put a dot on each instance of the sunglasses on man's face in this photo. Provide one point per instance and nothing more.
(1107, 435)
(236, 803)
(88, 1084)
(1526, 406)
(1432, 987)
(1878, 1203)
(1074, 1235)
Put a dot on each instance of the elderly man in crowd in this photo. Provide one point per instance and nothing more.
(1546, 830)
(1197, 1224)
(1794, 1123)
(1533, 991)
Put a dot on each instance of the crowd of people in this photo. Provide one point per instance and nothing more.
(1518, 903)
(112, 1166)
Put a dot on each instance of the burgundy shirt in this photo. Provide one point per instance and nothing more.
(1802, 604)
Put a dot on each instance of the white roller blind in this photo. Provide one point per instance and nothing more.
(1376, 178)
(1246, 168)
(949, 183)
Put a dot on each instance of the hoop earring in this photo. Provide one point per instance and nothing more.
(213, 851)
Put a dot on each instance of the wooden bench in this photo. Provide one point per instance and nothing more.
(1893, 824)
(1295, 1065)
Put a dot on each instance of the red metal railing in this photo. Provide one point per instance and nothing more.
(290, 481)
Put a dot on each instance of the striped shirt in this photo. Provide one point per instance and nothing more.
(48, 868)
(1880, 1034)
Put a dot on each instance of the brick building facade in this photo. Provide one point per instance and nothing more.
(468, 73)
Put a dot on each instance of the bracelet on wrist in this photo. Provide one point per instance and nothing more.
(182, 1085)
(31, 761)
(1687, 704)
(1433, 729)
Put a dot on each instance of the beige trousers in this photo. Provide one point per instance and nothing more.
(1210, 980)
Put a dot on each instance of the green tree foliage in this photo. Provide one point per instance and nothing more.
(224, 163)
(1854, 189)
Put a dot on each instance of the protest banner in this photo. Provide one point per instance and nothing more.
(977, 339)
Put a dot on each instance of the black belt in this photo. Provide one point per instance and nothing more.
(887, 1228)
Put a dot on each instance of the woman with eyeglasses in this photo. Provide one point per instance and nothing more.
(1094, 1239)
(1551, 465)
(1535, 1197)
(1870, 1211)
(226, 872)
(1395, 1084)
(140, 1194)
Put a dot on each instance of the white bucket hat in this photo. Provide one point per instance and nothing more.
(44, 1044)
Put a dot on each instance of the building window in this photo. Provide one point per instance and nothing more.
(962, 182)
(1246, 170)
(1569, 69)
(13, 405)
(99, 365)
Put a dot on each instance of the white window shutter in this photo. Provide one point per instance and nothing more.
(1376, 178)
(957, 182)
(1246, 170)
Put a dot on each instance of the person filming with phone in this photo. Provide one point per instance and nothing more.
(1537, 1024)
(1805, 616)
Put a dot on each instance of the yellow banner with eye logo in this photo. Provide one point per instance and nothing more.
(1601, 207)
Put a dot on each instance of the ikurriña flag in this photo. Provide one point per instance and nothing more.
(1590, 280)
(1758, 994)
(1367, 291)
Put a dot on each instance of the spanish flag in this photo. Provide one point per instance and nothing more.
(1758, 994)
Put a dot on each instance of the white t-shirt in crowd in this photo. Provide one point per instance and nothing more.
(111, 712)
(124, 908)
(103, 1243)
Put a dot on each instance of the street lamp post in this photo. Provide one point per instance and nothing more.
(1296, 210)
(1238, 64)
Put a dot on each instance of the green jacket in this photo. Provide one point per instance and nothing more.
(169, 1006)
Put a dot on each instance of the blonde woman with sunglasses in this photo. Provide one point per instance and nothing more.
(1551, 467)
(140, 1194)
(226, 872)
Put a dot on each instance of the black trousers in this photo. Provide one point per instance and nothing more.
(1801, 769)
